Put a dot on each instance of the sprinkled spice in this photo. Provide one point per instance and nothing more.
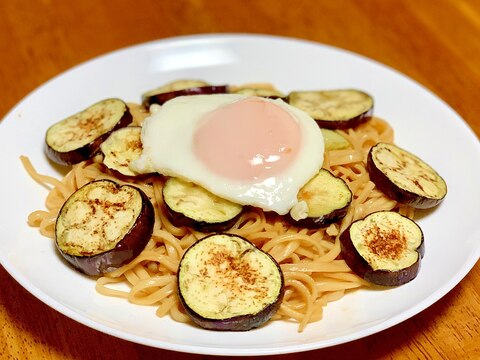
(389, 243)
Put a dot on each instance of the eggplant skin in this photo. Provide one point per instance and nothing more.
(89, 150)
(235, 323)
(345, 124)
(321, 221)
(125, 251)
(380, 277)
(179, 220)
(403, 196)
(162, 98)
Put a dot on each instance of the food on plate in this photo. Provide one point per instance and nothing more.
(251, 90)
(249, 150)
(180, 88)
(188, 204)
(177, 85)
(227, 283)
(78, 137)
(405, 177)
(186, 140)
(384, 248)
(325, 198)
(334, 109)
(334, 141)
(121, 148)
(103, 225)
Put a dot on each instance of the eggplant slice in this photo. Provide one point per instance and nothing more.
(121, 148)
(385, 248)
(226, 283)
(326, 199)
(334, 141)
(191, 205)
(78, 137)
(103, 225)
(334, 109)
(180, 88)
(404, 177)
(176, 85)
(261, 92)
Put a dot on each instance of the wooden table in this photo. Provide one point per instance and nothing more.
(435, 42)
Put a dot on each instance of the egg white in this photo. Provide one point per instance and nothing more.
(167, 138)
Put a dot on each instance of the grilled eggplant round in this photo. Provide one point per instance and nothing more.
(181, 88)
(175, 85)
(269, 93)
(326, 199)
(226, 283)
(385, 248)
(192, 206)
(103, 225)
(78, 137)
(404, 177)
(121, 148)
(334, 109)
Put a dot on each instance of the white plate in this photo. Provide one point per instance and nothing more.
(422, 122)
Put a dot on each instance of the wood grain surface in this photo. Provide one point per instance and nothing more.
(435, 42)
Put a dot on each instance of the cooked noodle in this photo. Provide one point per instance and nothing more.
(314, 271)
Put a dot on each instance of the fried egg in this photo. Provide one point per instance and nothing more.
(249, 150)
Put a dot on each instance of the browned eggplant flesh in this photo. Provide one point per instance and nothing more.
(404, 177)
(334, 109)
(191, 205)
(226, 283)
(103, 225)
(78, 137)
(121, 148)
(181, 88)
(384, 248)
(322, 201)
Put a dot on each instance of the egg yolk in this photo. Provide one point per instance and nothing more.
(248, 140)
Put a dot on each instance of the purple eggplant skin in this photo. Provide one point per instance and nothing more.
(345, 124)
(321, 221)
(89, 150)
(162, 98)
(403, 196)
(125, 251)
(179, 220)
(380, 277)
(237, 323)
